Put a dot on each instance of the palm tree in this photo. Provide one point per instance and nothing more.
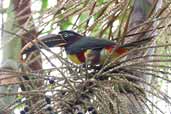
(134, 79)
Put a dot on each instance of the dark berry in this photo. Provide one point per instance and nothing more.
(80, 113)
(63, 93)
(49, 108)
(18, 101)
(51, 113)
(51, 81)
(48, 100)
(94, 112)
(90, 108)
(27, 102)
(22, 112)
(26, 109)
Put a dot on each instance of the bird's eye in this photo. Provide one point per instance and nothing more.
(65, 35)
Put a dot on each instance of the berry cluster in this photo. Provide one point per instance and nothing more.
(49, 108)
(25, 110)
(90, 109)
(51, 81)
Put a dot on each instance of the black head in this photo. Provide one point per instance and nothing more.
(70, 36)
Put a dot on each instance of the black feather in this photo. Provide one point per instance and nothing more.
(86, 43)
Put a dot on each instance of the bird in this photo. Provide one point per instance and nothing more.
(80, 49)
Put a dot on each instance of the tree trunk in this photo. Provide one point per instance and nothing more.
(140, 13)
(11, 47)
(19, 15)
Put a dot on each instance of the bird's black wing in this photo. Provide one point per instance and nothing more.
(88, 43)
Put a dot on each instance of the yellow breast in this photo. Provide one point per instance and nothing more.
(74, 58)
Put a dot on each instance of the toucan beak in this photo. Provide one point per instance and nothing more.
(53, 40)
(50, 40)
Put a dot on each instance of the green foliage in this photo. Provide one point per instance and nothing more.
(65, 24)
(101, 1)
(44, 4)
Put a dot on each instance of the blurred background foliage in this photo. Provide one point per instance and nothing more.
(50, 84)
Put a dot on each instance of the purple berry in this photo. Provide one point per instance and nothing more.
(26, 109)
(90, 108)
(49, 108)
(48, 100)
(22, 112)
(51, 81)
(94, 112)
(27, 102)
